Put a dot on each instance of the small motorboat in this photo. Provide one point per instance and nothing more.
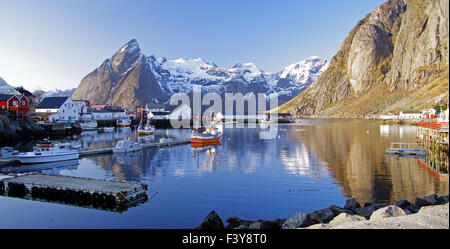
(145, 129)
(48, 152)
(88, 125)
(126, 145)
(123, 122)
(205, 136)
(107, 129)
(7, 152)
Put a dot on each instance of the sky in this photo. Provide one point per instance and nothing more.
(54, 44)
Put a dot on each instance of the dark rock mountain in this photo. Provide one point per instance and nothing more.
(130, 79)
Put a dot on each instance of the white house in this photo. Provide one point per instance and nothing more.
(388, 116)
(443, 116)
(163, 111)
(109, 113)
(411, 115)
(429, 113)
(58, 109)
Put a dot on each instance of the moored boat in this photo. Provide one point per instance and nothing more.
(7, 152)
(124, 146)
(123, 122)
(145, 129)
(205, 136)
(88, 125)
(48, 152)
(107, 129)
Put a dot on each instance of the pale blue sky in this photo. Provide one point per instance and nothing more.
(54, 44)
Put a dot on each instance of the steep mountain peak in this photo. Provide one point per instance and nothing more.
(3, 82)
(302, 70)
(130, 47)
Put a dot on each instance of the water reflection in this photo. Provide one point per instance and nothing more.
(48, 168)
(354, 152)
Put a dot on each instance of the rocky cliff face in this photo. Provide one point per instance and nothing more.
(387, 62)
(130, 79)
(123, 80)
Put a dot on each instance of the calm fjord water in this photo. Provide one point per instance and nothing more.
(308, 166)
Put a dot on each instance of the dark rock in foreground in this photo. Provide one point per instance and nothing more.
(296, 221)
(212, 221)
(351, 211)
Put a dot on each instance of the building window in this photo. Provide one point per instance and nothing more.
(15, 103)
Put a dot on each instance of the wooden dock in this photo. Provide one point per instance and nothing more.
(85, 192)
(144, 146)
(406, 149)
(433, 134)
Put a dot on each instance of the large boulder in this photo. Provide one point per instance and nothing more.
(212, 221)
(322, 216)
(264, 224)
(443, 199)
(386, 212)
(431, 199)
(351, 204)
(338, 210)
(234, 222)
(344, 217)
(296, 221)
(420, 203)
(402, 203)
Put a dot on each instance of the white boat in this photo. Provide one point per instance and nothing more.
(123, 122)
(7, 152)
(88, 125)
(124, 146)
(48, 152)
(107, 129)
(145, 129)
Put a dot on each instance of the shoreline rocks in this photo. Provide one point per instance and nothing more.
(333, 216)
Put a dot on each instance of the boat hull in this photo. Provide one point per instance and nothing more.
(29, 159)
(144, 133)
(205, 141)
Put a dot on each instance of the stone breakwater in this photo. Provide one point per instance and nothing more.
(427, 212)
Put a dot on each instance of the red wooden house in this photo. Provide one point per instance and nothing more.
(14, 103)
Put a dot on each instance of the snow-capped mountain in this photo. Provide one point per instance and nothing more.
(130, 79)
(5, 88)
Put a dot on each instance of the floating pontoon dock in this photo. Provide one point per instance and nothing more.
(406, 149)
(144, 146)
(85, 192)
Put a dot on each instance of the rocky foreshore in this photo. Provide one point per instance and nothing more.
(431, 211)
(18, 127)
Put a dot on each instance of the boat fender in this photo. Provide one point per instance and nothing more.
(103, 198)
(95, 199)
(53, 194)
(87, 198)
(2, 188)
(111, 201)
(73, 196)
(60, 195)
(66, 196)
(34, 192)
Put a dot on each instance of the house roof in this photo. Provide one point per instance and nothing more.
(162, 107)
(52, 102)
(4, 97)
